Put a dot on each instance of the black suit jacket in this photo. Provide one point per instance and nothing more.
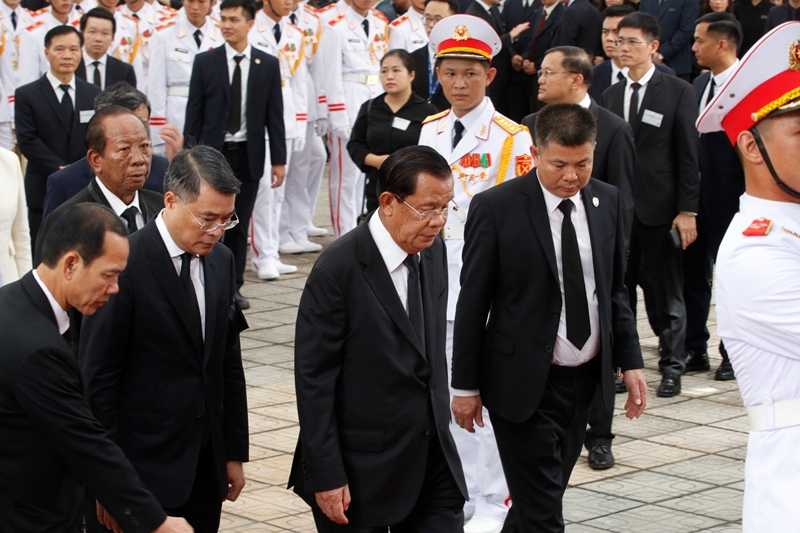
(545, 39)
(152, 381)
(69, 181)
(515, 13)
(778, 15)
(365, 386)
(614, 156)
(44, 137)
(510, 277)
(116, 71)
(676, 18)
(421, 85)
(50, 442)
(580, 26)
(667, 175)
(502, 61)
(209, 106)
(721, 172)
(601, 78)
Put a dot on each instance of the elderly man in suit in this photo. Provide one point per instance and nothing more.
(542, 296)
(676, 19)
(98, 27)
(371, 320)
(50, 442)
(161, 360)
(51, 117)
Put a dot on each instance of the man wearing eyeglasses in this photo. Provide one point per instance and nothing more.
(162, 365)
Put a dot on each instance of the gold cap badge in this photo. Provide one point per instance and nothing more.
(461, 33)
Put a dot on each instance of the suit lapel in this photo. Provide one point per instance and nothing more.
(81, 70)
(428, 280)
(701, 81)
(663, 8)
(594, 219)
(650, 96)
(211, 277)
(97, 194)
(222, 66)
(552, 18)
(51, 97)
(537, 212)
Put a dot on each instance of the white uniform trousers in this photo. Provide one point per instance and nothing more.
(264, 226)
(303, 178)
(486, 482)
(346, 187)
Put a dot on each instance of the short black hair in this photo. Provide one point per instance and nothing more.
(81, 228)
(644, 22)
(565, 124)
(248, 7)
(454, 7)
(95, 136)
(723, 27)
(201, 163)
(621, 10)
(401, 170)
(63, 29)
(121, 94)
(404, 56)
(99, 13)
(575, 60)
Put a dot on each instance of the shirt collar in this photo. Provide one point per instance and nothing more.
(355, 16)
(391, 253)
(62, 318)
(552, 201)
(643, 80)
(586, 102)
(615, 70)
(473, 116)
(484, 5)
(87, 59)
(172, 249)
(117, 205)
(230, 52)
(56, 83)
(722, 77)
(549, 9)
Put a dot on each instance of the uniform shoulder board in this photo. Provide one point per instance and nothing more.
(39, 12)
(437, 116)
(399, 20)
(379, 14)
(134, 19)
(507, 124)
(120, 7)
(164, 26)
(311, 9)
(336, 20)
(76, 22)
(324, 9)
(758, 228)
(34, 25)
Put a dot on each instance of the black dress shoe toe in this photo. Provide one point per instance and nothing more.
(620, 387)
(670, 386)
(600, 457)
(697, 362)
(724, 372)
(241, 301)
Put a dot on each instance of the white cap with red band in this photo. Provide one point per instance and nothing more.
(465, 36)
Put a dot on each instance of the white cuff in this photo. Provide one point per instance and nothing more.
(462, 392)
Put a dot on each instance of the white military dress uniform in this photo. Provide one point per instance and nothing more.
(352, 76)
(32, 63)
(290, 52)
(408, 32)
(331, 11)
(134, 34)
(492, 149)
(172, 55)
(6, 69)
(11, 48)
(758, 287)
(83, 7)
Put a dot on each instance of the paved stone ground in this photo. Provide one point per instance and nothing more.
(680, 467)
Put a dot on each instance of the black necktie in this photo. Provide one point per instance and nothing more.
(415, 313)
(458, 127)
(135, 16)
(620, 76)
(712, 84)
(293, 18)
(198, 38)
(14, 19)
(235, 117)
(97, 74)
(130, 217)
(633, 108)
(365, 25)
(189, 292)
(79, 8)
(66, 104)
(276, 31)
(576, 307)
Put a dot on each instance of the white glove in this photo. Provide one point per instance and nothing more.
(322, 127)
(343, 133)
(298, 143)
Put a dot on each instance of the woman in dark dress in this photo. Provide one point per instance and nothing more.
(388, 122)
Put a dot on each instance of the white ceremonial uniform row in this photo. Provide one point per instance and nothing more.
(408, 32)
(12, 39)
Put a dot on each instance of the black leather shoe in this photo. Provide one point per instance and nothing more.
(724, 372)
(620, 387)
(600, 457)
(697, 362)
(241, 300)
(670, 386)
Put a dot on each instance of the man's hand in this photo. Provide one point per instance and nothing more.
(518, 29)
(637, 393)
(105, 518)
(173, 524)
(466, 409)
(516, 62)
(173, 140)
(235, 479)
(278, 173)
(334, 503)
(528, 67)
(687, 225)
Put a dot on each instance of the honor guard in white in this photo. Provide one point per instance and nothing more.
(173, 48)
(408, 32)
(331, 11)
(758, 271)
(83, 7)
(6, 116)
(136, 25)
(14, 20)
(484, 149)
(352, 76)
(32, 63)
(275, 35)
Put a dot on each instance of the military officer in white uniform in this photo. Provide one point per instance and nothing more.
(333, 10)
(32, 63)
(484, 149)
(173, 48)
(136, 25)
(352, 72)
(14, 19)
(83, 7)
(408, 32)
(6, 115)
(758, 271)
(275, 35)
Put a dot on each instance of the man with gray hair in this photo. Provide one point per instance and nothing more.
(162, 362)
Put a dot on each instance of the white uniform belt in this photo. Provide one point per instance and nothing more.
(785, 413)
(178, 91)
(366, 79)
(453, 232)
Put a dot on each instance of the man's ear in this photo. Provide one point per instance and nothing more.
(746, 143)
(490, 74)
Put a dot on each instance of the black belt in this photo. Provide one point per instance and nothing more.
(234, 145)
(589, 369)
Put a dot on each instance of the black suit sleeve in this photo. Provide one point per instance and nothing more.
(130, 77)
(234, 423)
(195, 105)
(622, 160)
(54, 196)
(28, 138)
(357, 145)
(686, 151)
(274, 117)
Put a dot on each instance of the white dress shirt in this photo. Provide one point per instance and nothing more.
(615, 70)
(565, 353)
(119, 207)
(586, 102)
(62, 318)
(56, 83)
(88, 60)
(468, 120)
(195, 268)
(244, 65)
(719, 80)
(643, 81)
(392, 255)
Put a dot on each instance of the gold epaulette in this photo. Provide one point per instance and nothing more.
(379, 14)
(507, 124)
(39, 12)
(167, 25)
(437, 116)
(34, 25)
(326, 8)
(399, 20)
(336, 20)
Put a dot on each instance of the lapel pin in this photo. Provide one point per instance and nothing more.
(258, 61)
(595, 201)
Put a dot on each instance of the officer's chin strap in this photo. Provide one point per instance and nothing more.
(761, 148)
